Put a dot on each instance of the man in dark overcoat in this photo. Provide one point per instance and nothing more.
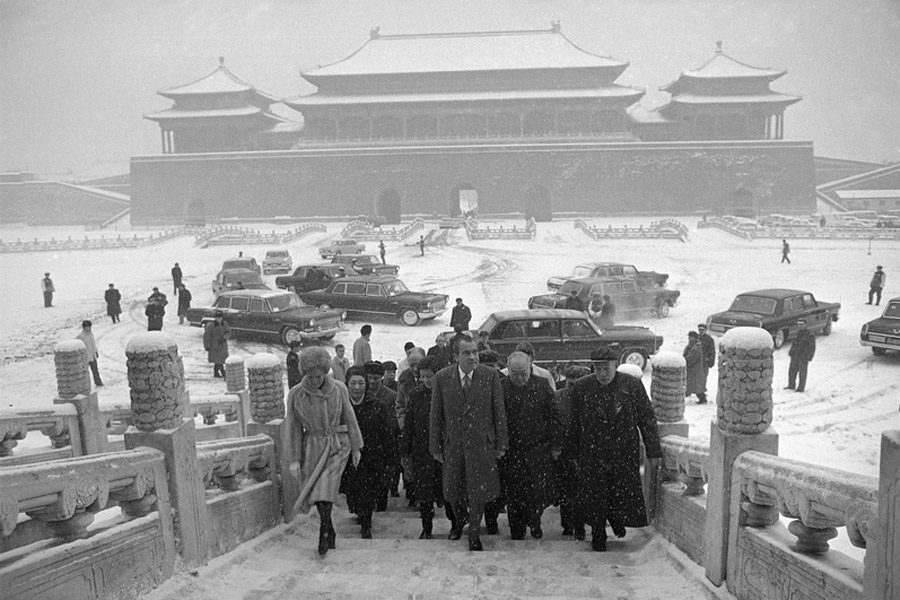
(176, 278)
(468, 435)
(535, 442)
(566, 475)
(696, 370)
(802, 351)
(460, 315)
(184, 302)
(611, 414)
(113, 298)
(387, 397)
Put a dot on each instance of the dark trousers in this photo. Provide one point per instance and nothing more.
(471, 513)
(176, 283)
(48, 299)
(520, 515)
(96, 372)
(798, 366)
(784, 258)
(875, 291)
(218, 369)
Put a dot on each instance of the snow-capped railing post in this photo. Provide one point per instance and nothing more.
(236, 383)
(744, 418)
(667, 393)
(266, 389)
(156, 379)
(882, 562)
(73, 384)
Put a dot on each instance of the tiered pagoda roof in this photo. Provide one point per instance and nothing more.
(723, 80)
(466, 67)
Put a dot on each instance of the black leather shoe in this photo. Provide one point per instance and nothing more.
(579, 534)
(567, 531)
(492, 528)
(475, 545)
(537, 533)
(455, 533)
(518, 535)
(598, 545)
(619, 530)
(425, 535)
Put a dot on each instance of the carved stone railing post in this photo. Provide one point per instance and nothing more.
(157, 393)
(882, 562)
(235, 380)
(667, 393)
(71, 376)
(267, 409)
(744, 416)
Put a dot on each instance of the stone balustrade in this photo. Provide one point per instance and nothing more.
(60, 424)
(475, 232)
(819, 498)
(686, 460)
(224, 463)
(750, 230)
(365, 231)
(665, 229)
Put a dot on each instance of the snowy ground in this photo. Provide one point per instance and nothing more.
(851, 397)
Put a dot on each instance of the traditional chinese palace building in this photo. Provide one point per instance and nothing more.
(520, 121)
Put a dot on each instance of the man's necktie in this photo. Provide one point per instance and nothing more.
(466, 385)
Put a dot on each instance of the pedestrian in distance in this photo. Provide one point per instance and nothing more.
(708, 344)
(184, 302)
(460, 315)
(323, 435)
(47, 288)
(595, 307)
(422, 245)
(158, 296)
(785, 250)
(215, 342)
(362, 348)
(535, 442)
(573, 302)
(292, 363)
(610, 416)
(113, 299)
(91, 355)
(607, 313)
(802, 351)
(696, 370)
(340, 363)
(468, 436)
(176, 278)
(876, 285)
(155, 312)
(381, 251)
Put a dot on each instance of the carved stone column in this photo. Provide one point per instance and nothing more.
(157, 391)
(667, 393)
(882, 562)
(235, 379)
(266, 388)
(744, 414)
(72, 375)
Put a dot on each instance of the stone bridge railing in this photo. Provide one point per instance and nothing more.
(224, 235)
(752, 230)
(666, 228)
(89, 243)
(475, 231)
(365, 231)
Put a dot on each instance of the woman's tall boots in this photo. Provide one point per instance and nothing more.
(326, 528)
(427, 512)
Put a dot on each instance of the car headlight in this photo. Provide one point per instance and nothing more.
(344, 316)
(312, 322)
(864, 330)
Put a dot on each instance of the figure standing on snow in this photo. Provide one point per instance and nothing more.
(709, 349)
(184, 302)
(573, 302)
(611, 414)
(323, 436)
(113, 299)
(802, 351)
(422, 245)
(381, 251)
(176, 278)
(876, 285)
(48, 289)
(460, 315)
(155, 312)
(468, 436)
(785, 250)
(697, 371)
(215, 342)
(91, 355)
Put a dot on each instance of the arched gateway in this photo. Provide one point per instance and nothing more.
(387, 205)
(463, 199)
(538, 204)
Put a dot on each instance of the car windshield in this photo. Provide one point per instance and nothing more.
(570, 286)
(581, 271)
(276, 254)
(236, 264)
(393, 288)
(366, 260)
(892, 311)
(285, 302)
(754, 304)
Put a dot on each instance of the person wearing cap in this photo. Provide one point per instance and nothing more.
(611, 415)
(91, 355)
(113, 299)
(215, 342)
(535, 442)
(158, 296)
(48, 289)
(340, 363)
(468, 435)
(387, 397)
(461, 315)
(876, 285)
(802, 351)
(362, 348)
(292, 362)
(708, 344)
(696, 370)
(155, 312)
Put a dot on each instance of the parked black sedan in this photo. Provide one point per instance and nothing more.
(883, 333)
(629, 298)
(776, 310)
(379, 296)
(271, 312)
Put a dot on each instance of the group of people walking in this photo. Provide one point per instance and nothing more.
(473, 442)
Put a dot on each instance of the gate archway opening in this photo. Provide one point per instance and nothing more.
(387, 205)
(538, 204)
(195, 215)
(463, 200)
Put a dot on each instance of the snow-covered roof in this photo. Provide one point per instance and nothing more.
(768, 98)
(722, 66)
(220, 81)
(465, 51)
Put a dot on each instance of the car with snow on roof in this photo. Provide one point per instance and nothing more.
(271, 313)
(628, 296)
(337, 247)
(366, 264)
(277, 261)
(237, 279)
(647, 279)
(777, 310)
(883, 334)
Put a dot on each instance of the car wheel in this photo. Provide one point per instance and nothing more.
(879, 351)
(662, 311)
(290, 334)
(409, 317)
(779, 338)
(634, 357)
(827, 329)
(324, 256)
